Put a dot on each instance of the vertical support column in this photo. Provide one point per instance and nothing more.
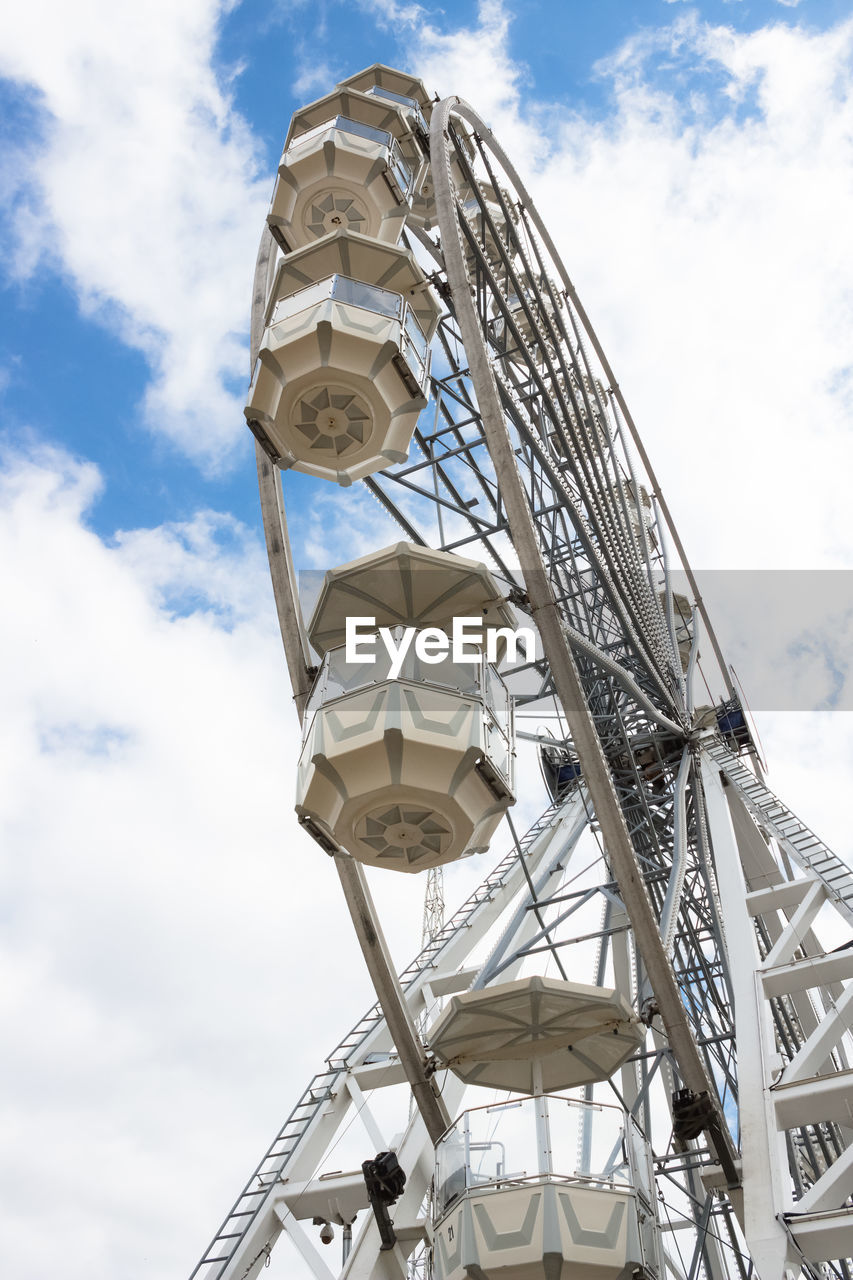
(272, 507)
(543, 1124)
(390, 994)
(762, 1145)
(352, 877)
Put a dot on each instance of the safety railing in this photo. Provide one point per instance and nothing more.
(370, 297)
(527, 1139)
(476, 678)
(411, 106)
(402, 174)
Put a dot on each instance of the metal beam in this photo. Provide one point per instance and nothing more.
(762, 1146)
(351, 875)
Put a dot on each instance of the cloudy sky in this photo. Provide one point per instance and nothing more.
(695, 164)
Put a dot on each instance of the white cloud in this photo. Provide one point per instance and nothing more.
(142, 190)
(154, 887)
(704, 221)
(393, 14)
(474, 62)
(341, 525)
(160, 894)
(314, 79)
(719, 237)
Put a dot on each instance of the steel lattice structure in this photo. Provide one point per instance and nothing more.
(700, 889)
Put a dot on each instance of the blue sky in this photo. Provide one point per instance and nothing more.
(87, 392)
(695, 164)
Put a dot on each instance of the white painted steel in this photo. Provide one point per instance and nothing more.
(814, 1086)
(370, 1057)
(801, 844)
(762, 1145)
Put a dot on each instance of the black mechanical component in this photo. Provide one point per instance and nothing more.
(317, 833)
(384, 1180)
(692, 1113)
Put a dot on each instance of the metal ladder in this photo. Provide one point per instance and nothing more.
(807, 850)
(272, 1166)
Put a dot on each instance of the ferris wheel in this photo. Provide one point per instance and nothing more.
(627, 1053)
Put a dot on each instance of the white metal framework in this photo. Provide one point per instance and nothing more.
(662, 865)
